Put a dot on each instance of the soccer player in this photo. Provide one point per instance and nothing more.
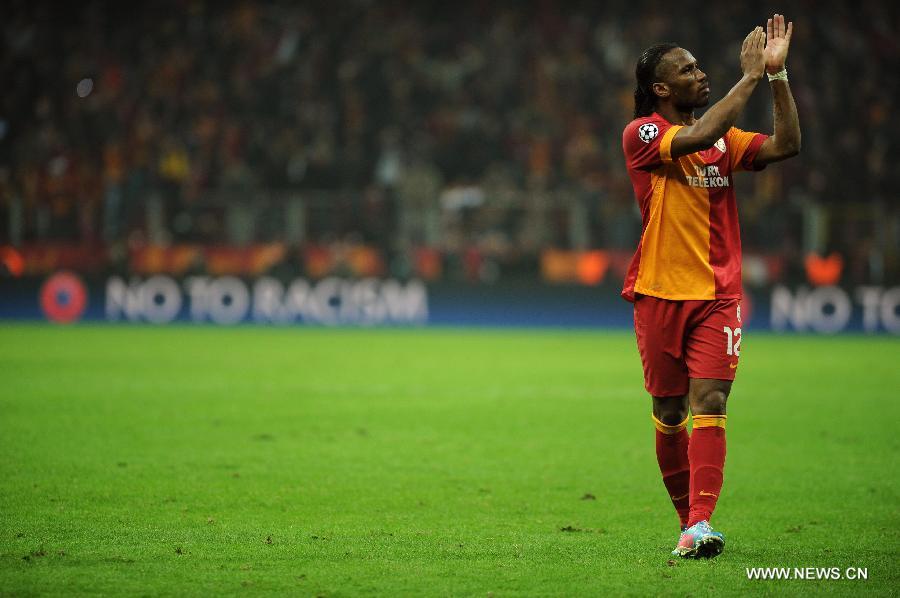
(685, 278)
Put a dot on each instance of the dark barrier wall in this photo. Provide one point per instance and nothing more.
(226, 300)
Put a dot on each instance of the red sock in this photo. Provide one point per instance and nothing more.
(672, 455)
(707, 456)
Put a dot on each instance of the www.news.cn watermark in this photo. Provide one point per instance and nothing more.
(819, 573)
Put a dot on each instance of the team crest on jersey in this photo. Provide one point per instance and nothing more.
(720, 145)
(648, 132)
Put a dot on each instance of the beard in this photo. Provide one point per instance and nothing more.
(700, 101)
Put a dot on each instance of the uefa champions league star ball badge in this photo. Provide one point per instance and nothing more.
(648, 132)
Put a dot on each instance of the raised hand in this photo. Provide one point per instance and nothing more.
(752, 59)
(778, 39)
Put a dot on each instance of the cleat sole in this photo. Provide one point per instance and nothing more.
(685, 553)
(709, 547)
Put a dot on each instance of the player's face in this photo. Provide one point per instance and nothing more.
(688, 85)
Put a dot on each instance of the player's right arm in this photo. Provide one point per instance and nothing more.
(785, 140)
(713, 125)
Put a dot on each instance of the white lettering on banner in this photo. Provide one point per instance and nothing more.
(224, 300)
(808, 309)
(228, 300)
(406, 304)
(880, 306)
(156, 300)
(362, 303)
(161, 299)
(870, 299)
(297, 301)
(324, 301)
(830, 309)
(267, 295)
(196, 287)
(336, 301)
(890, 302)
(123, 299)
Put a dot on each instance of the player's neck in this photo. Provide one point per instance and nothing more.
(674, 115)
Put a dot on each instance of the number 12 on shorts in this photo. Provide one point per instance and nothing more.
(734, 341)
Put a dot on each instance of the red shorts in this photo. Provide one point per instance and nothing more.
(679, 340)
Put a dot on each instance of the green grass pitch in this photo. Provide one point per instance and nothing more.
(191, 460)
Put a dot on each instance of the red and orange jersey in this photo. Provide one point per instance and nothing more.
(690, 244)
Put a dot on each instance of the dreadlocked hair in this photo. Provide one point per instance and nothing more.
(645, 73)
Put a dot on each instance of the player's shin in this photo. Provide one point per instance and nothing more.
(672, 455)
(707, 458)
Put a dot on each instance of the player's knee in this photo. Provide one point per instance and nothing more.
(670, 410)
(672, 417)
(711, 402)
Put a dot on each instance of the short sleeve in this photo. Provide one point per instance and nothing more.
(647, 142)
(743, 147)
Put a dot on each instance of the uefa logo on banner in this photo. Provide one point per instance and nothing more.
(63, 298)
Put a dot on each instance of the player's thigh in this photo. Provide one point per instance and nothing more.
(660, 333)
(713, 346)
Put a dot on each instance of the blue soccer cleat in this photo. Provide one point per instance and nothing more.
(699, 541)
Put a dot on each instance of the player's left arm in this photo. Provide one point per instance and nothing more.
(785, 141)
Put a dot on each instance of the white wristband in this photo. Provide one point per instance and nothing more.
(779, 76)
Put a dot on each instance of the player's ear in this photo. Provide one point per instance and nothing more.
(661, 90)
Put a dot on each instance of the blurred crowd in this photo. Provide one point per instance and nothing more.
(493, 125)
